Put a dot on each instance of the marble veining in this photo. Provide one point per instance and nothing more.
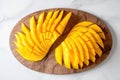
(11, 11)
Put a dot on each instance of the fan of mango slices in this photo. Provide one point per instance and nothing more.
(82, 44)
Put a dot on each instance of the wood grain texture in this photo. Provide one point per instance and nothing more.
(48, 64)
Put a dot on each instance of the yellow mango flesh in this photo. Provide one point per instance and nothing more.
(80, 46)
(55, 14)
(83, 42)
(97, 37)
(66, 55)
(40, 22)
(63, 23)
(59, 54)
(34, 42)
(92, 26)
(44, 26)
(95, 45)
(75, 55)
(56, 22)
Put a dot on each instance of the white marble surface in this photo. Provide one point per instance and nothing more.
(11, 11)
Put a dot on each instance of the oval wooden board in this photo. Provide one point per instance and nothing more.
(48, 64)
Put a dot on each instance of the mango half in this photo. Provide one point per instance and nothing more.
(82, 44)
(34, 41)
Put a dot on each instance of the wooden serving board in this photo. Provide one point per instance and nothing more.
(48, 64)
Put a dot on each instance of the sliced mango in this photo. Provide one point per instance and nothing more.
(56, 22)
(92, 25)
(51, 21)
(75, 56)
(80, 46)
(34, 42)
(95, 45)
(59, 54)
(44, 26)
(66, 55)
(97, 37)
(63, 23)
(82, 42)
(40, 22)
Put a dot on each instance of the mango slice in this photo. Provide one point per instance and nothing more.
(59, 54)
(66, 55)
